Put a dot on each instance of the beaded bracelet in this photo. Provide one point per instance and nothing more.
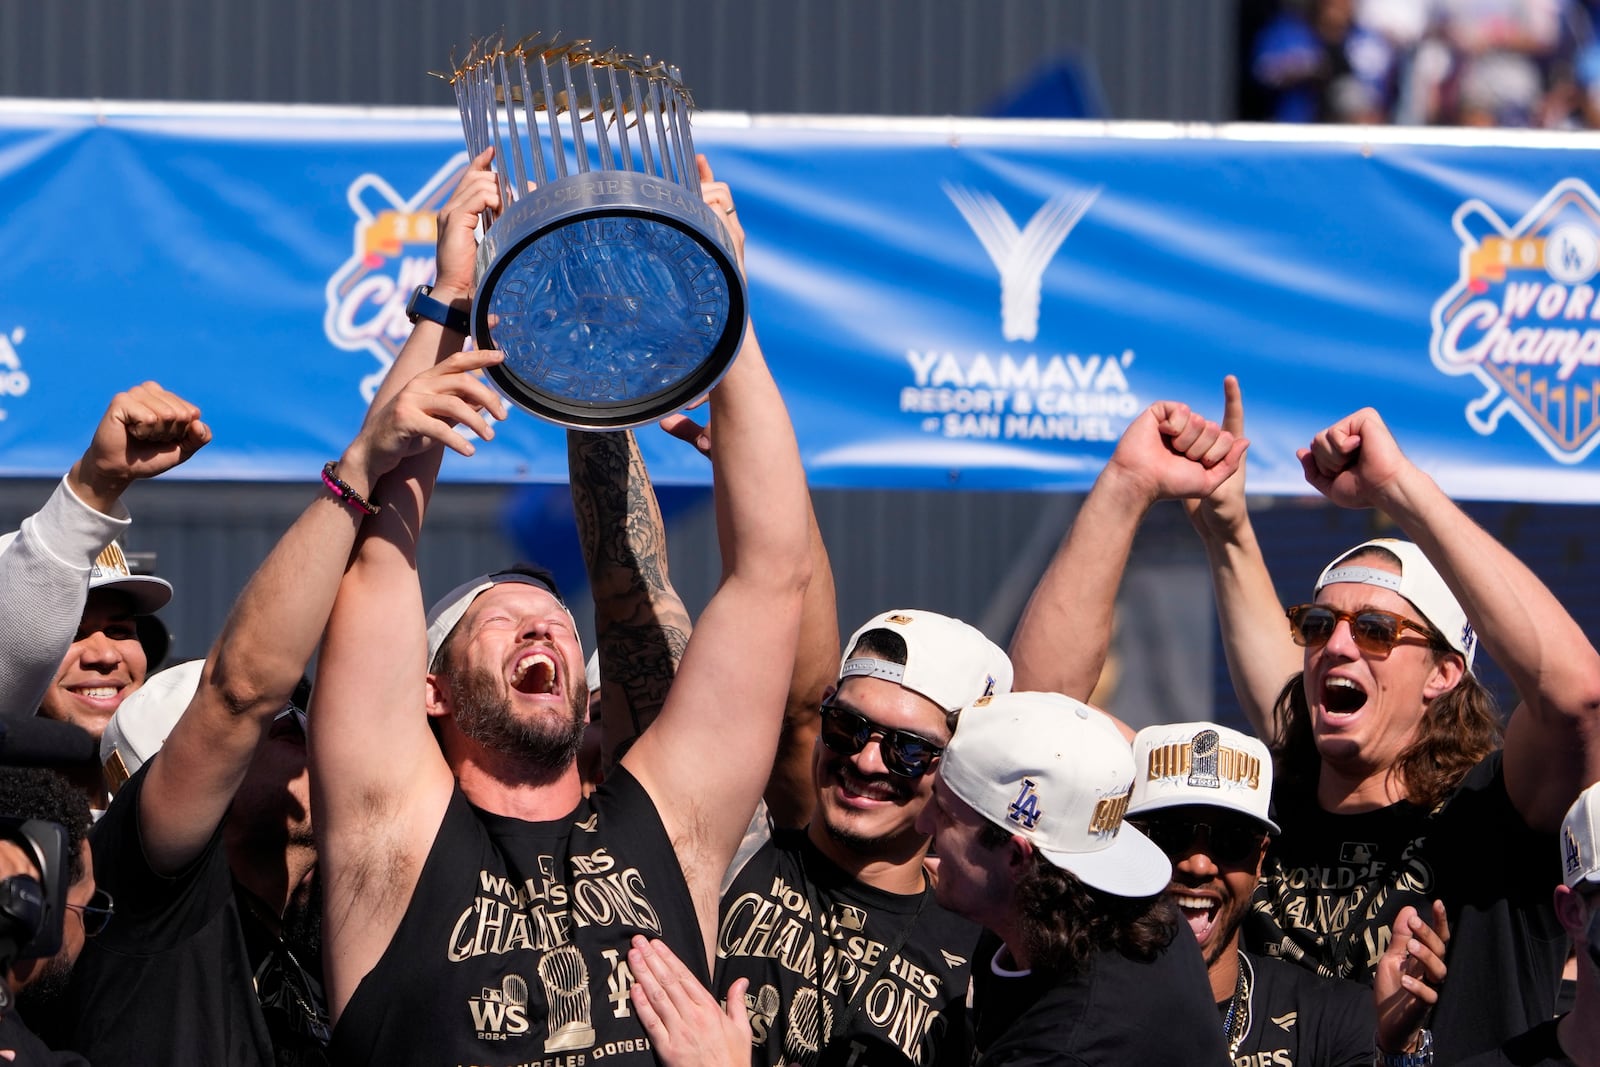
(342, 490)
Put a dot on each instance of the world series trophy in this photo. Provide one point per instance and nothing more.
(612, 289)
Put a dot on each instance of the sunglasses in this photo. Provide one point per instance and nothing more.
(95, 914)
(1374, 632)
(904, 753)
(1228, 842)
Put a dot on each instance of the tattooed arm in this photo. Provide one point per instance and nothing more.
(641, 625)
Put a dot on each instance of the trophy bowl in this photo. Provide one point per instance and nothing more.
(611, 288)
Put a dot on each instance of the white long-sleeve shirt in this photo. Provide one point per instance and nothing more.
(44, 584)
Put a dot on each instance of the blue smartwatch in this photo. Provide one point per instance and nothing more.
(422, 305)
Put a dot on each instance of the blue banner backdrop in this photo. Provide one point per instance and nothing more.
(979, 304)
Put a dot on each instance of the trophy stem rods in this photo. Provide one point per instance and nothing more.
(680, 130)
(492, 112)
(534, 138)
(619, 114)
(598, 116)
(511, 120)
(574, 119)
(642, 129)
(551, 118)
(475, 143)
(656, 107)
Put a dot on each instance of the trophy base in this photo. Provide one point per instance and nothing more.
(615, 297)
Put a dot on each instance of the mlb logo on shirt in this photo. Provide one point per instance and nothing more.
(1357, 853)
(850, 917)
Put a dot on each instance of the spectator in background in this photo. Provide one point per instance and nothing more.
(1572, 100)
(1318, 64)
(1503, 54)
(1505, 63)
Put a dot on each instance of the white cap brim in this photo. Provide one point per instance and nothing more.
(1192, 801)
(148, 593)
(1131, 866)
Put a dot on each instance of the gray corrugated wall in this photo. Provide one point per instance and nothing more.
(1157, 59)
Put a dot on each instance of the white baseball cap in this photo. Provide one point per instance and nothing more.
(1417, 581)
(110, 570)
(142, 722)
(1056, 771)
(1202, 763)
(1580, 839)
(947, 661)
(446, 613)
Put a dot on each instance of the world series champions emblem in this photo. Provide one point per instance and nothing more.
(612, 289)
(1524, 319)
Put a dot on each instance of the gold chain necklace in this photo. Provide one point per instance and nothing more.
(1237, 1023)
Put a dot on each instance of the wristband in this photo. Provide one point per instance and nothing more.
(1423, 1057)
(342, 490)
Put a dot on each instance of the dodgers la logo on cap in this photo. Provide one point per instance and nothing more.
(1580, 839)
(1057, 772)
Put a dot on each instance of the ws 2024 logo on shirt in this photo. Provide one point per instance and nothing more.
(1523, 318)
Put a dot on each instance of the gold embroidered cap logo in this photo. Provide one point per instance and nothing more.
(1108, 812)
(111, 561)
(1180, 761)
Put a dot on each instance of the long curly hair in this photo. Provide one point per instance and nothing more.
(1064, 922)
(1459, 728)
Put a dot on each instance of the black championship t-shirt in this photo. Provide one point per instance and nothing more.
(1539, 1047)
(169, 979)
(1333, 884)
(1119, 1012)
(514, 947)
(888, 980)
(1288, 1017)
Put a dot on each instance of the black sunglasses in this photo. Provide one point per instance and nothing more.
(1227, 841)
(95, 914)
(1374, 632)
(904, 753)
